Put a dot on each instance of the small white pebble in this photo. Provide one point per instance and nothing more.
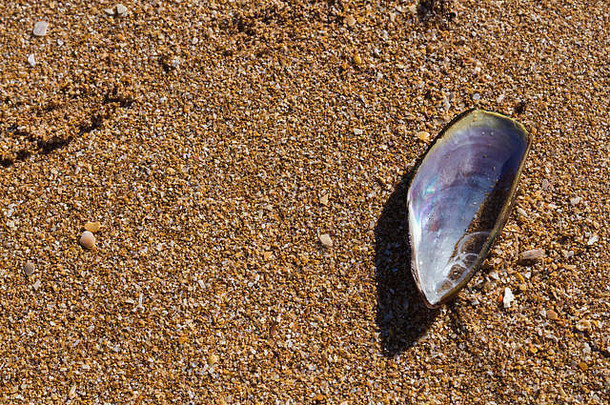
(32, 60)
(594, 238)
(575, 200)
(87, 240)
(40, 28)
(121, 10)
(476, 96)
(326, 240)
(508, 298)
(446, 103)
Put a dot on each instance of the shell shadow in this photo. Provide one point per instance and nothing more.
(402, 316)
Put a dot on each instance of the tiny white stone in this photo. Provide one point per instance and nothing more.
(40, 28)
(594, 238)
(446, 103)
(326, 240)
(121, 9)
(32, 60)
(508, 298)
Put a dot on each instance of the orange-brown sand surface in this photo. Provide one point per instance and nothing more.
(247, 163)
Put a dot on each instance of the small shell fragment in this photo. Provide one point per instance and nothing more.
(532, 255)
(40, 28)
(87, 240)
(29, 268)
(121, 10)
(508, 298)
(326, 240)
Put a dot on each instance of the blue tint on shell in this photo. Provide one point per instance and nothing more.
(479, 155)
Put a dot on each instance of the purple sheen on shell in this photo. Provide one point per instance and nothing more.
(460, 198)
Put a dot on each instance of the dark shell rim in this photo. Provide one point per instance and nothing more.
(502, 217)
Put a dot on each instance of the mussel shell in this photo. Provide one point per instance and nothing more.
(460, 197)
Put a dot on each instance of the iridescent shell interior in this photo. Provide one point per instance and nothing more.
(460, 197)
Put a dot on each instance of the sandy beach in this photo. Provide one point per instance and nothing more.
(242, 166)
